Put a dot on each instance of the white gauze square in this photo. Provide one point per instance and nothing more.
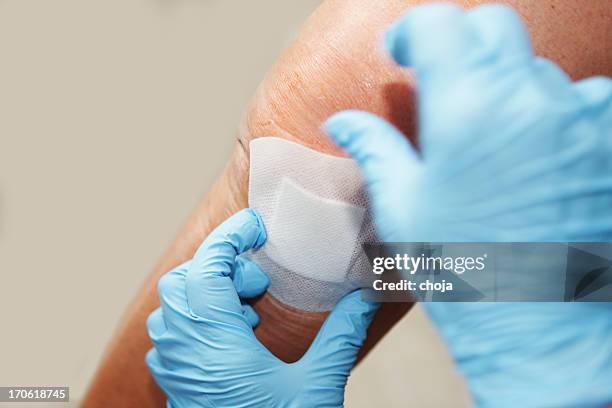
(314, 208)
(312, 236)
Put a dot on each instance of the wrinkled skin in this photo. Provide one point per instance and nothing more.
(335, 63)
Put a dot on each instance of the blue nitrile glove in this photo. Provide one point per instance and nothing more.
(510, 150)
(206, 354)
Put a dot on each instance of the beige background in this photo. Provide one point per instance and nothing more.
(115, 117)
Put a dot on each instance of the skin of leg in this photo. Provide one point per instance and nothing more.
(336, 63)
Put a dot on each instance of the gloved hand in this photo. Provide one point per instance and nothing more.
(510, 150)
(206, 354)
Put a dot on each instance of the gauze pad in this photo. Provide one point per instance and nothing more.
(314, 209)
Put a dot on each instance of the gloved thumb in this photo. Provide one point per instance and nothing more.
(211, 293)
(384, 155)
(342, 335)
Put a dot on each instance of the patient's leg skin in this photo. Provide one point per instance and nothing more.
(334, 64)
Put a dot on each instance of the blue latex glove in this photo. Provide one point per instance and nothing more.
(206, 354)
(510, 150)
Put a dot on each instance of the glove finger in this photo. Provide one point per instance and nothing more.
(343, 332)
(211, 294)
(154, 362)
(156, 326)
(596, 93)
(163, 376)
(249, 279)
(171, 290)
(383, 154)
(500, 30)
(550, 84)
(433, 36)
(172, 297)
(250, 314)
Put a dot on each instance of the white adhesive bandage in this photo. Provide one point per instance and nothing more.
(314, 209)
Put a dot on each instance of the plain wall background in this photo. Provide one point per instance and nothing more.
(115, 118)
